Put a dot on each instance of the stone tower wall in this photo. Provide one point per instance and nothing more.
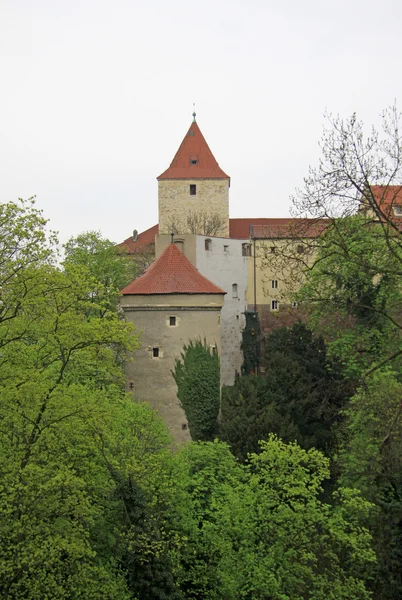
(150, 378)
(176, 204)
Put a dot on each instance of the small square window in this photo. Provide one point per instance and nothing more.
(294, 304)
(300, 249)
(193, 189)
(274, 305)
(172, 321)
(272, 249)
(274, 283)
(398, 210)
(155, 352)
(226, 248)
(246, 249)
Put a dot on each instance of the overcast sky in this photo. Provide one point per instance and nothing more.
(96, 96)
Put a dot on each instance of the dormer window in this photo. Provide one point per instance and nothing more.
(193, 189)
(193, 161)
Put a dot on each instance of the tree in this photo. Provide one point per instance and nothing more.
(58, 375)
(298, 397)
(197, 376)
(103, 261)
(347, 254)
(260, 531)
(371, 461)
(23, 246)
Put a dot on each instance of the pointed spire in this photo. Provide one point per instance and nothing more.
(194, 159)
(194, 113)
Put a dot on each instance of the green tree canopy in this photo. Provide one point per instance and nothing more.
(299, 396)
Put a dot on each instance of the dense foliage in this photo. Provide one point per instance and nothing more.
(93, 502)
(299, 396)
(197, 376)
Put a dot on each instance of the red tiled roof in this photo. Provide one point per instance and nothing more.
(275, 228)
(171, 273)
(239, 229)
(194, 148)
(387, 197)
(145, 238)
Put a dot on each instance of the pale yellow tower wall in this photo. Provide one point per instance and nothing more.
(149, 377)
(177, 206)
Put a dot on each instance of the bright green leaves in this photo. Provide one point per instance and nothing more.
(261, 531)
(353, 289)
(197, 376)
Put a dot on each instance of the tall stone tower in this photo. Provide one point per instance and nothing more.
(193, 193)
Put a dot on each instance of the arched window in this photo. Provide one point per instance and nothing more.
(234, 291)
(208, 244)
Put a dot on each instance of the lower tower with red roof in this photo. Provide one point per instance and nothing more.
(170, 304)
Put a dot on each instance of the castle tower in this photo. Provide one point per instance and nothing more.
(170, 304)
(193, 193)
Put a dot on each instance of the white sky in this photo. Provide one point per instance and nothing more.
(96, 96)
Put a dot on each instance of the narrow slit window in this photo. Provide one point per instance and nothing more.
(193, 189)
(274, 283)
(234, 290)
(155, 352)
(172, 321)
(208, 244)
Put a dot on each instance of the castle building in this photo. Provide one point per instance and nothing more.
(202, 283)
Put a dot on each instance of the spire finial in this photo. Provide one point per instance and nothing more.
(194, 113)
(172, 237)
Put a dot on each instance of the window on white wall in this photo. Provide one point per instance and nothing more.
(226, 248)
(246, 249)
(234, 291)
(208, 244)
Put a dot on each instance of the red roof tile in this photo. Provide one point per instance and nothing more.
(144, 239)
(194, 159)
(275, 228)
(239, 229)
(387, 198)
(171, 273)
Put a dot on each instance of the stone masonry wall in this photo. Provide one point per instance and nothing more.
(176, 203)
(149, 378)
